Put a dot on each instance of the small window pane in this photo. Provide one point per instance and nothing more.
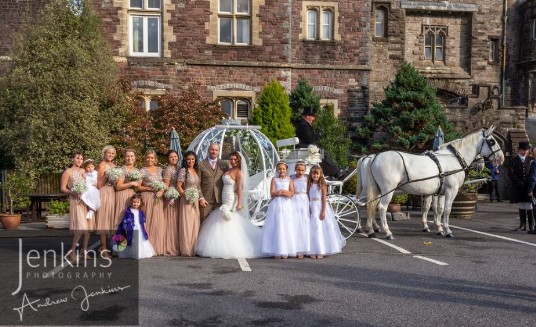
(242, 109)
(311, 24)
(226, 28)
(380, 23)
(327, 18)
(242, 6)
(153, 4)
(136, 3)
(153, 104)
(137, 34)
(227, 107)
(428, 40)
(152, 31)
(242, 31)
(226, 6)
(428, 53)
(439, 54)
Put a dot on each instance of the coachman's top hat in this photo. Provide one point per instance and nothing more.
(524, 145)
(309, 111)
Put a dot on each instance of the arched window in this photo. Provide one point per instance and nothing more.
(236, 108)
(327, 25)
(434, 43)
(380, 22)
(320, 22)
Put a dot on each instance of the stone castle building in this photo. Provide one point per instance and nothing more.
(479, 54)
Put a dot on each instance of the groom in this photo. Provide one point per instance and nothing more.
(210, 172)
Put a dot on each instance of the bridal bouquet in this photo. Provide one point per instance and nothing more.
(227, 212)
(113, 174)
(191, 194)
(171, 194)
(79, 187)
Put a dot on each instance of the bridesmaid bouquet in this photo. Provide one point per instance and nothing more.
(158, 186)
(192, 195)
(171, 194)
(134, 176)
(79, 187)
(113, 174)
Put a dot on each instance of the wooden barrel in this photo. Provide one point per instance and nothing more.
(464, 205)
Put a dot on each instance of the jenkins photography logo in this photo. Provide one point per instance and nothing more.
(44, 283)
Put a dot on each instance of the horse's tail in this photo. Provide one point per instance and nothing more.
(373, 192)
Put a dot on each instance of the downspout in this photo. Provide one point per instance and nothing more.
(503, 68)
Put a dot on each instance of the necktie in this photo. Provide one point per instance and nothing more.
(213, 164)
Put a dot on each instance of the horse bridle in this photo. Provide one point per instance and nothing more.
(490, 143)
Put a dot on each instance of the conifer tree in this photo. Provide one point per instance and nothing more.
(334, 136)
(63, 90)
(408, 117)
(273, 112)
(303, 96)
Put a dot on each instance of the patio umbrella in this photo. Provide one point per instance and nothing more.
(175, 143)
(439, 138)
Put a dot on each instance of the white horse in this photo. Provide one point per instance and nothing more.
(361, 193)
(421, 175)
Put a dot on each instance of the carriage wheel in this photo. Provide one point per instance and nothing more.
(346, 213)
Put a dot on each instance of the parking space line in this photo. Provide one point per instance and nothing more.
(244, 265)
(392, 245)
(493, 235)
(437, 262)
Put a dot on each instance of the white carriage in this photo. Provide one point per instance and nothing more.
(261, 157)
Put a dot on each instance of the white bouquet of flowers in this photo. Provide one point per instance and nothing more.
(314, 154)
(113, 174)
(79, 186)
(171, 194)
(191, 194)
(133, 176)
(227, 213)
(158, 186)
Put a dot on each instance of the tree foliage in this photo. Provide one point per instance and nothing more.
(62, 91)
(334, 136)
(273, 112)
(408, 117)
(188, 112)
(303, 96)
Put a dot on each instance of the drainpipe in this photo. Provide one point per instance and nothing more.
(503, 68)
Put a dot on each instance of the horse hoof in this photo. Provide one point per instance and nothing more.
(359, 231)
(389, 237)
(372, 235)
(449, 235)
(426, 230)
(440, 233)
(377, 230)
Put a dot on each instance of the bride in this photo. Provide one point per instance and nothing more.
(227, 232)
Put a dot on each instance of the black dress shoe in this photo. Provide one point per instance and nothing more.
(499, 200)
(531, 232)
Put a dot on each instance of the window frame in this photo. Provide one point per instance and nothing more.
(319, 23)
(494, 50)
(235, 101)
(435, 31)
(385, 9)
(145, 12)
(235, 16)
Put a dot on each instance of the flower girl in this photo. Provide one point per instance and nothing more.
(300, 201)
(278, 237)
(91, 196)
(326, 237)
(131, 239)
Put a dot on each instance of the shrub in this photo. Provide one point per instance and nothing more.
(58, 207)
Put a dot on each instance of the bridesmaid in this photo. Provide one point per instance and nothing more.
(171, 211)
(79, 225)
(125, 187)
(105, 218)
(154, 207)
(189, 217)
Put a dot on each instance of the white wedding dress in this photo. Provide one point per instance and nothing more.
(227, 233)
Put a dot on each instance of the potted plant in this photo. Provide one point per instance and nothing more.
(16, 189)
(464, 203)
(396, 202)
(58, 214)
